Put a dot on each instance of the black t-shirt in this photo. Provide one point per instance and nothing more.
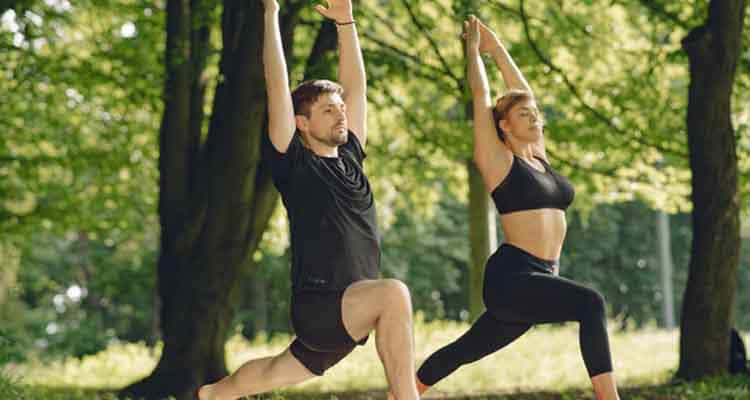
(331, 210)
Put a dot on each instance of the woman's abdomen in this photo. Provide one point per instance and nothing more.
(539, 232)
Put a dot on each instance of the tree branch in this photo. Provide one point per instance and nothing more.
(659, 11)
(574, 90)
(439, 73)
(391, 28)
(432, 43)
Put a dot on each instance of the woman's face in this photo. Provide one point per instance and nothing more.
(524, 122)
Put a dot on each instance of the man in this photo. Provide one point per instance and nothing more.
(317, 137)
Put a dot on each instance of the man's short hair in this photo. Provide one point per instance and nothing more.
(308, 92)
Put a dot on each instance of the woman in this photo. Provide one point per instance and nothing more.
(521, 286)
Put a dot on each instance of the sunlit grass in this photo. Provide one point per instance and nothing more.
(114, 367)
(547, 358)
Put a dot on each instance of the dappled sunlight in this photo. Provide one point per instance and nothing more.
(545, 358)
(115, 367)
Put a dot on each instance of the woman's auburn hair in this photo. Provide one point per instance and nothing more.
(504, 104)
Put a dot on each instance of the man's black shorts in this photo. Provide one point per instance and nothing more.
(322, 340)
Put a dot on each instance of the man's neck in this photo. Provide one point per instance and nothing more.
(319, 148)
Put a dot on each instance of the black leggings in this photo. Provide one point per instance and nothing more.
(520, 290)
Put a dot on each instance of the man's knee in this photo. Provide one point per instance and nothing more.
(396, 293)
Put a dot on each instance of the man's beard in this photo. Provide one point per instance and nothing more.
(335, 138)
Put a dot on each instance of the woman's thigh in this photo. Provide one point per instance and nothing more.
(539, 298)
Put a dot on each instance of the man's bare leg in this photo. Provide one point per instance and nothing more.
(421, 388)
(258, 376)
(385, 305)
(605, 387)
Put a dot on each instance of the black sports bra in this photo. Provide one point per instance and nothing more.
(526, 188)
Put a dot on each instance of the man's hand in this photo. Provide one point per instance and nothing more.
(271, 6)
(338, 10)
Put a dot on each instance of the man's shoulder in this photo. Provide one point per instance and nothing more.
(353, 147)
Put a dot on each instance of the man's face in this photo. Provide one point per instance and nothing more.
(327, 122)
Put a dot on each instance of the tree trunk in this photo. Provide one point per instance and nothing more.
(9, 272)
(665, 262)
(215, 197)
(325, 42)
(482, 237)
(713, 51)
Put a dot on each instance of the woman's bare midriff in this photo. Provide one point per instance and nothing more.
(539, 232)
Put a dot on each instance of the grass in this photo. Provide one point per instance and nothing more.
(543, 364)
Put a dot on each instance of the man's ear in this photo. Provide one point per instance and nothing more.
(302, 123)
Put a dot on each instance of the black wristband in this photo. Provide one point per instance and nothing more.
(345, 23)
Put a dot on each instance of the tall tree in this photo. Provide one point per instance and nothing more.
(482, 216)
(482, 237)
(215, 196)
(713, 51)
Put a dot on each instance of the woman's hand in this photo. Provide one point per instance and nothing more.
(338, 10)
(472, 33)
(488, 41)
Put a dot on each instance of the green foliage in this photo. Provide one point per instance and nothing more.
(82, 294)
(78, 160)
(78, 157)
(431, 256)
(615, 249)
(13, 340)
(10, 389)
(719, 388)
(11, 257)
(13, 344)
(266, 296)
(82, 87)
(611, 78)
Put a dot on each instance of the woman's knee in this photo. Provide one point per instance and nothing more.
(596, 305)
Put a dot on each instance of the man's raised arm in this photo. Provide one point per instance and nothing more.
(281, 124)
(351, 66)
